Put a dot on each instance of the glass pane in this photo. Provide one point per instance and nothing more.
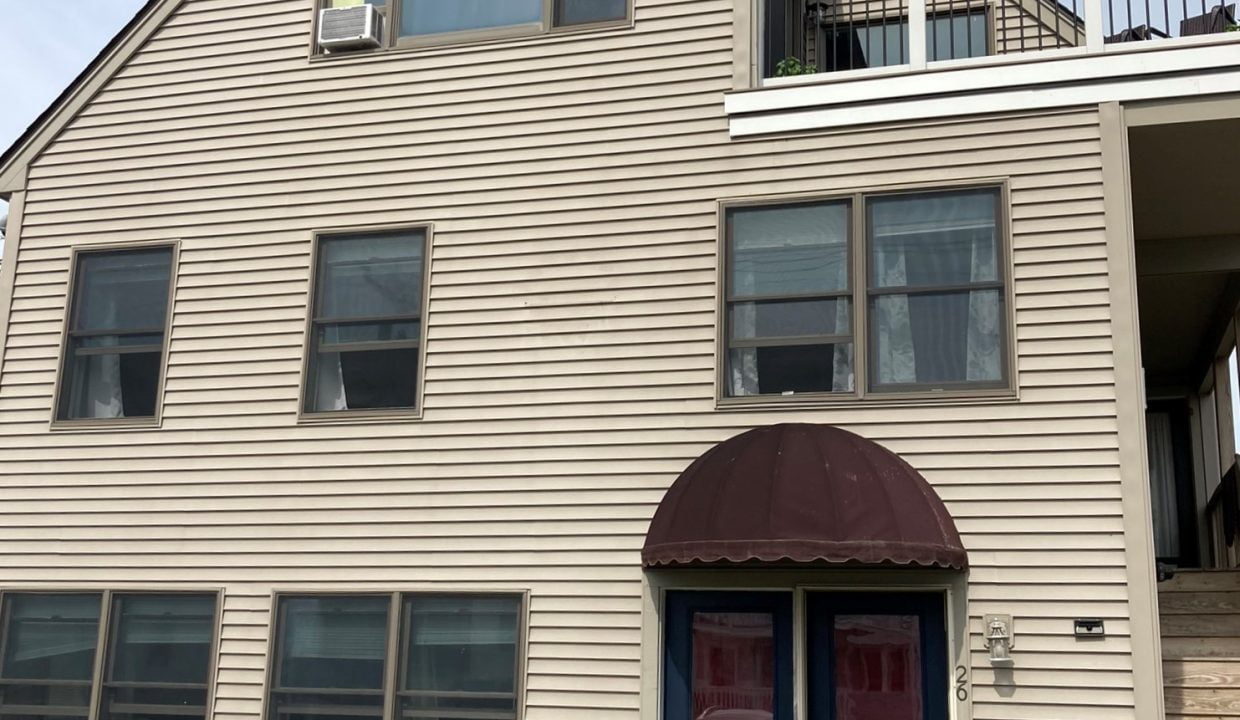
(144, 703)
(943, 238)
(370, 275)
(162, 639)
(111, 386)
(368, 332)
(431, 17)
(853, 47)
(789, 369)
(363, 379)
(461, 655)
(578, 12)
(50, 637)
(878, 667)
(733, 666)
(771, 319)
(122, 290)
(956, 36)
(333, 642)
(789, 249)
(937, 338)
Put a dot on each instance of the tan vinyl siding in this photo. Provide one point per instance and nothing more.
(573, 184)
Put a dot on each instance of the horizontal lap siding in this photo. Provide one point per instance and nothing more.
(573, 184)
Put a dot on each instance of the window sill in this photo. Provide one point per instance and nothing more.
(836, 400)
(460, 41)
(106, 424)
(348, 417)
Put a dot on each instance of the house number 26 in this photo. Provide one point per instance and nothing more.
(962, 683)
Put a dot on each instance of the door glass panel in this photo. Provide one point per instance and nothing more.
(878, 667)
(733, 666)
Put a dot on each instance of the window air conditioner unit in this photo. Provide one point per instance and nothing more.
(349, 28)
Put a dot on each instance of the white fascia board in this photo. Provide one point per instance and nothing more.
(995, 86)
(992, 102)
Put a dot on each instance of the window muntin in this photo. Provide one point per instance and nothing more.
(157, 658)
(366, 329)
(457, 655)
(789, 306)
(421, 22)
(49, 643)
(933, 295)
(115, 341)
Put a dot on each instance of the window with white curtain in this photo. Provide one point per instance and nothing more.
(366, 329)
(927, 306)
(115, 337)
(446, 656)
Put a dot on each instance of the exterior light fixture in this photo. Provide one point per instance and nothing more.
(817, 13)
(999, 639)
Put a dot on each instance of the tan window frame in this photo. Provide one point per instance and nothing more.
(391, 39)
(396, 650)
(68, 334)
(1005, 389)
(105, 650)
(314, 320)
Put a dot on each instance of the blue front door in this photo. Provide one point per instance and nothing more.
(870, 656)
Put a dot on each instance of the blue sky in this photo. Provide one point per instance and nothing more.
(44, 44)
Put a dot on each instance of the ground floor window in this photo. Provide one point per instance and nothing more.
(868, 655)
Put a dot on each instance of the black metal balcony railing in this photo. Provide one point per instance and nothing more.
(812, 36)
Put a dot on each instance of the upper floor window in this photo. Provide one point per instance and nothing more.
(931, 307)
(451, 655)
(421, 22)
(156, 659)
(115, 339)
(366, 325)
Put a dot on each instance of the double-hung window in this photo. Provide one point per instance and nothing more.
(410, 655)
(422, 22)
(366, 327)
(134, 656)
(929, 309)
(115, 340)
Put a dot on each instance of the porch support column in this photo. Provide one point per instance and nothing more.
(1130, 417)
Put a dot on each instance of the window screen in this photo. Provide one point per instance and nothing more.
(789, 312)
(48, 662)
(582, 12)
(434, 17)
(935, 290)
(116, 334)
(460, 656)
(331, 657)
(159, 657)
(366, 331)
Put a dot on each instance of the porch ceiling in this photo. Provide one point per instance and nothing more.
(1185, 179)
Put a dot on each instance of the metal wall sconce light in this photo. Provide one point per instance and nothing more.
(999, 639)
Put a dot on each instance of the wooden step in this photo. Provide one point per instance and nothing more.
(1201, 581)
(1205, 625)
(1198, 603)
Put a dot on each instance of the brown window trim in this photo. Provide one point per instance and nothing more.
(313, 320)
(1002, 392)
(392, 42)
(106, 631)
(61, 386)
(396, 645)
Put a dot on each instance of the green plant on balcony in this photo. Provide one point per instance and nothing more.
(790, 66)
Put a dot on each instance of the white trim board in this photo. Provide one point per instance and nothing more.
(1082, 79)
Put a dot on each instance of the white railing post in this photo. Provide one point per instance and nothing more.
(917, 34)
(1094, 37)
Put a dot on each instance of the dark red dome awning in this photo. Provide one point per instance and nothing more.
(802, 493)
